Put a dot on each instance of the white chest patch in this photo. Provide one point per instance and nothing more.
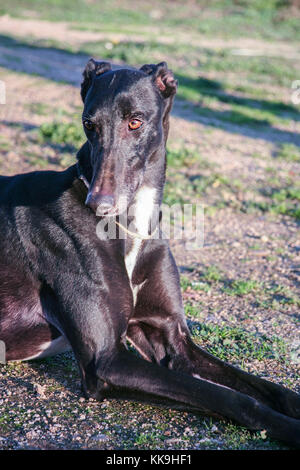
(144, 205)
(131, 257)
(145, 201)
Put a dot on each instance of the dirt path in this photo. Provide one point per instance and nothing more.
(66, 32)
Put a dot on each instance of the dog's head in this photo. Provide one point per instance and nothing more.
(125, 119)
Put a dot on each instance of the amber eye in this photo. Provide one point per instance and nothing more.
(134, 124)
(88, 125)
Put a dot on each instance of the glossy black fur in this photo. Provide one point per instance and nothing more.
(57, 279)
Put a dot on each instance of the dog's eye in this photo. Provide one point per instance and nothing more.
(88, 125)
(134, 124)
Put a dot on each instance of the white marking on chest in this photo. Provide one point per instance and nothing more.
(131, 257)
(144, 205)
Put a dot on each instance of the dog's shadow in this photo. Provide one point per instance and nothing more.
(58, 372)
(62, 371)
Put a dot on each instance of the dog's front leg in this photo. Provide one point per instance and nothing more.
(93, 316)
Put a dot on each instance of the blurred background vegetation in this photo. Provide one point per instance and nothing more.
(272, 19)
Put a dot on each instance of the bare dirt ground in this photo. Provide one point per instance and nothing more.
(42, 398)
(67, 32)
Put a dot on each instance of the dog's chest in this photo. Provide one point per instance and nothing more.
(132, 256)
(144, 207)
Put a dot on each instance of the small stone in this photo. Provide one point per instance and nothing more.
(174, 440)
(263, 434)
(99, 438)
(39, 390)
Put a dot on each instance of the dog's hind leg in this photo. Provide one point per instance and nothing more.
(159, 332)
(24, 328)
(127, 376)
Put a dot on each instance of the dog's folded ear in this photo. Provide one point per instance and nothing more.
(162, 77)
(92, 69)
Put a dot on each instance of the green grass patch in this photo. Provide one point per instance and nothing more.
(149, 439)
(186, 283)
(281, 201)
(38, 161)
(283, 295)
(190, 178)
(228, 342)
(180, 187)
(287, 193)
(61, 133)
(41, 109)
(177, 189)
(242, 287)
(185, 158)
(212, 274)
(242, 116)
(271, 19)
(289, 152)
(5, 144)
(192, 311)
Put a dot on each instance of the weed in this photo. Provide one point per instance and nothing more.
(147, 439)
(284, 201)
(289, 152)
(185, 158)
(194, 285)
(191, 310)
(212, 274)
(242, 287)
(61, 133)
(229, 342)
(5, 144)
(41, 109)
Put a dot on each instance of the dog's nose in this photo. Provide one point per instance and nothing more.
(101, 204)
(105, 205)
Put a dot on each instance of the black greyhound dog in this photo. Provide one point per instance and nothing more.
(62, 286)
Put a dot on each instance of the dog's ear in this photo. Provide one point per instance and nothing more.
(162, 77)
(92, 69)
